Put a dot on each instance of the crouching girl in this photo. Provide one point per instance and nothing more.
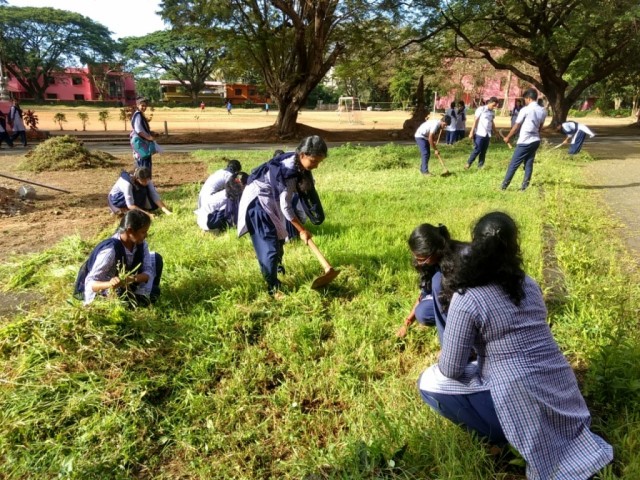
(219, 211)
(135, 192)
(123, 264)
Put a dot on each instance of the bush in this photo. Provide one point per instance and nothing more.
(64, 153)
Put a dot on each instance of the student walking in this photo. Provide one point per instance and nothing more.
(4, 136)
(576, 133)
(267, 204)
(16, 123)
(426, 136)
(229, 107)
(521, 390)
(141, 139)
(483, 127)
(529, 123)
(123, 264)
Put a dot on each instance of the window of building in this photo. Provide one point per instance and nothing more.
(52, 96)
(78, 97)
(252, 92)
(51, 80)
(238, 91)
(76, 80)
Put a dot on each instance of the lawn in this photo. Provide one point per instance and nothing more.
(220, 381)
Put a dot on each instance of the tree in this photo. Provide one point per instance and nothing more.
(84, 118)
(572, 44)
(34, 42)
(60, 118)
(292, 43)
(189, 55)
(148, 88)
(103, 116)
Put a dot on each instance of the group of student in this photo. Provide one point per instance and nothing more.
(500, 373)
(13, 121)
(526, 123)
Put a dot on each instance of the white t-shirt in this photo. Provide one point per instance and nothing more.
(430, 126)
(485, 118)
(530, 118)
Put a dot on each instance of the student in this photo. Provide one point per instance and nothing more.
(229, 107)
(266, 204)
(218, 179)
(426, 136)
(219, 211)
(483, 127)
(125, 253)
(529, 123)
(434, 253)
(577, 133)
(521, 389)
(135, 191)
(16, 123)
(141, 139)
(451, 128)
(461, 121)
(516, 110)
(4, 136)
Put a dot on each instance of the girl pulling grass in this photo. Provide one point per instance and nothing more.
(123, 264)
(267, 204)
(219, 211)
(521, 389)
(135, 191)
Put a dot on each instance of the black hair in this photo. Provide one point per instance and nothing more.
(493, 257)
(461, 103)
(428, 240)
(233, 166)
(234, 188)
(312, 145)
(242, 177)
(493, 100)
(531, 93)
(140, 100)
(142, 173)
(134, 220)
(446, 119)
(277, 153)
(453, 105)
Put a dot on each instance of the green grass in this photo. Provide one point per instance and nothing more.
(219, 381)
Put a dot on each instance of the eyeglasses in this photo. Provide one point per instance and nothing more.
(421, 261)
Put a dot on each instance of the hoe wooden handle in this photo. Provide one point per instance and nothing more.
(325, 264)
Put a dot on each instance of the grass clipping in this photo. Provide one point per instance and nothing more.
(64, 153)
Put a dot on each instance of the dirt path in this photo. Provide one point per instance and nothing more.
(616, 176)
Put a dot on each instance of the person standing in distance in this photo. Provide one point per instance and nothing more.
(530, 121)
(481, 131)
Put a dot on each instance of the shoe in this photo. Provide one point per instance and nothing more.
(427, 174)
(467, 166)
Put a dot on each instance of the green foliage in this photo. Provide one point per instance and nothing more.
(37, 41)
(31, 120)
(148, 88)
(218, 380)
(60, 118)
(84, 118)
(103, 116)
(63, 153)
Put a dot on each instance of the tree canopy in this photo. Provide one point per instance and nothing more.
(37, 41)
(189, 55)
(570, 44)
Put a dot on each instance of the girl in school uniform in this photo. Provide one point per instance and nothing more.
(141, 139)
(267, 204)
(433, 251)
(521, 390)
(135, 191)
(219, 210)
(576, 134)
(218, 179)
(126, 252)
(451, 128)
(461, 121)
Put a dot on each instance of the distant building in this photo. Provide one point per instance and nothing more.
(214, 92)
(84, 85)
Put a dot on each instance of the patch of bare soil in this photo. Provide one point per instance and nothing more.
(11, 204)
(54, 215)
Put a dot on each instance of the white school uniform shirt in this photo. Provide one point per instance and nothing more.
(215, 183)
(572, 128)
(104, 269)
(485, 121)
(430, 126)
(461, 120)
(210, 204)
(126, 188)
(452, 126)
(138, 126)
(530, 118)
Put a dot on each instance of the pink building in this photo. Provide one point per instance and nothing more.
(84, 84)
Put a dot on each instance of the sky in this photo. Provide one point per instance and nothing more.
(125, 18)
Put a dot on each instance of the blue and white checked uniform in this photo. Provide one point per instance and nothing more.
(534, 389)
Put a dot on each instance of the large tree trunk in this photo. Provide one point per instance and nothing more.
(287, 121)
(419, 114)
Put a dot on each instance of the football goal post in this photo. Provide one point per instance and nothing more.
(349, 110)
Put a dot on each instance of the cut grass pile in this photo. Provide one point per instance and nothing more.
(64, 153)
(220, 381)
